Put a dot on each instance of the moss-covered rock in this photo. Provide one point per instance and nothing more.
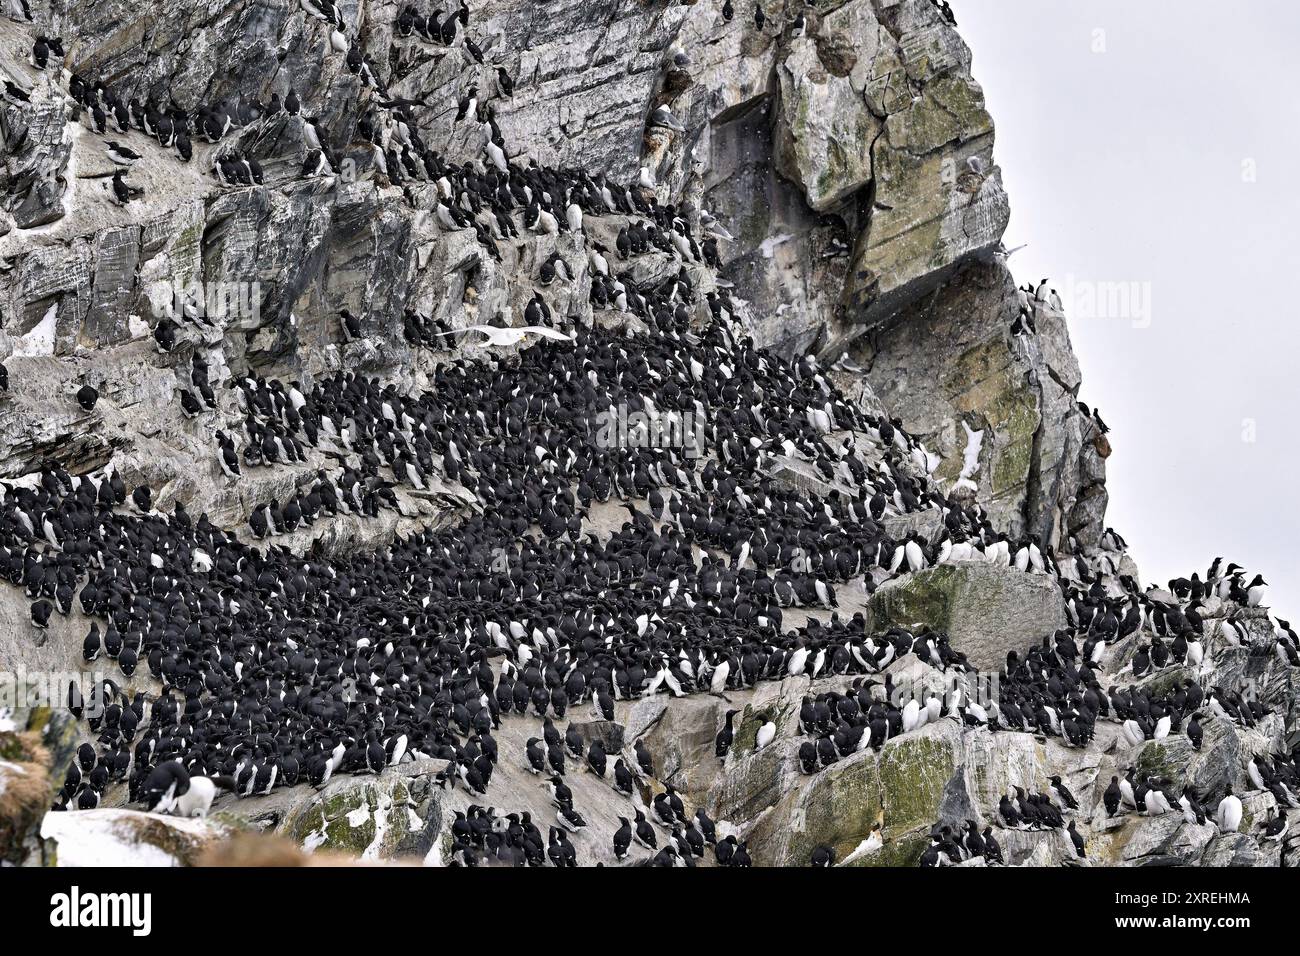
(1165, 682)
(825, 140)
(914, 771)
(682, 741)
(918, 236)
(901, 789)
(745, 736)
(839, 809)
(1155, 761)
(110, 836)
(985, 610)
(369, 818)
(905, 851)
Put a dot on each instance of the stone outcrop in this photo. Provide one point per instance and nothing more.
(114, 837)
(949, 360)
(985, 610)
(853, 165)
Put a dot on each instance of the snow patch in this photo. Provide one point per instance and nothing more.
(359, 816)
(970, 458)
(864, 849)
(40, 340)
(137, 326)
(108, 837)
(768, 246)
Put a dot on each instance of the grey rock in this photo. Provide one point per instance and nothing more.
(1239, 849)
(110, 836)
(36, 153)
(985, 610)
(950, 361)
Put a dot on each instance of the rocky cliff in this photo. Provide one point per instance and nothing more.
(347, 187)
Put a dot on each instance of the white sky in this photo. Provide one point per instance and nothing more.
(1156, 145)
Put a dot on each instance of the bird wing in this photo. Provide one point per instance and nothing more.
(548, 333)
(498, 335)
(488, 330)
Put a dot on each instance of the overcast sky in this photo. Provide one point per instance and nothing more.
(1151, 152)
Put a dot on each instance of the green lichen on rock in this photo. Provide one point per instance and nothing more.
(824, 139)
(905, 852)
(340, 832)
(446, 847)
(11, 748)
(142, 829)
(838, 810)
(746, 733)
(1165, 683)
(1156, 761)
(750, 781)
(357, 820)
(950, 110)
(744, 738)
(904, 241)
(750, 786)
(921, 599)
(914, 771)
(985, 610)
(985, 381)
(1015, 456)
(186, 250)
(60, 735)
(1114, 841)
(233, 821)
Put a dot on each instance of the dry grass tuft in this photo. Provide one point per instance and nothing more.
(262, 849)
(24, 789)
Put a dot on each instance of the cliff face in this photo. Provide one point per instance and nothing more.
(850, 162)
